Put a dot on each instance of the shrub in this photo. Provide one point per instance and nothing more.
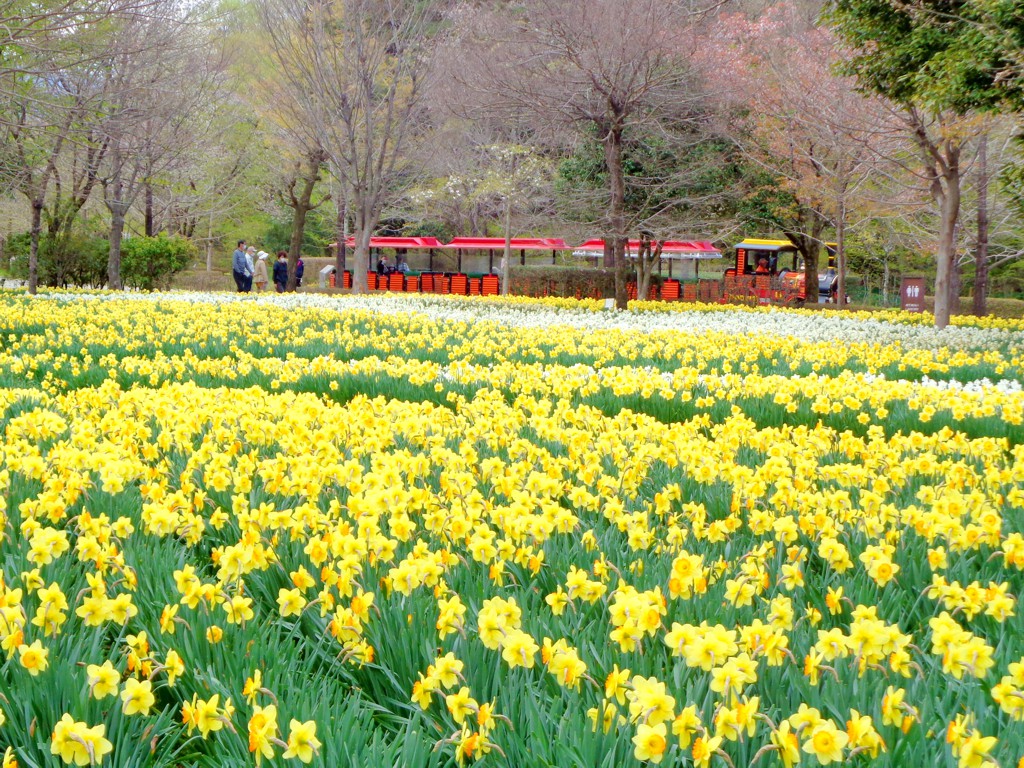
(149, 263)
(78, 259)
(567, 282)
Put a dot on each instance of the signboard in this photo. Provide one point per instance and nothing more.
(912, 294)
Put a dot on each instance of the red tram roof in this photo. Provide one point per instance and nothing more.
(518, 243)
(411, 243)
(668, 246)
(698, 248)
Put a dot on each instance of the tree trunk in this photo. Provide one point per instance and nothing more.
(362, 262)
(644, 263)
(113, 195)
(209, 245)
(885, 283)
(149, 210)
(506, 255)
(364, 222)
(33, 253)
(956, 277)
(341, 232)
(980, 307)
(808, 244)
(942, 164)
(841, 253)
(649, 254)
(810, 254)
(617, 208)
(117, 214)
(949, 211)
(301, 206)
(65, 211)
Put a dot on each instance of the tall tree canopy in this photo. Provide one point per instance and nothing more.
(947, 54)
(938, 60)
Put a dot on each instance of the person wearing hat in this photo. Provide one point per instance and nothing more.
(259, 273)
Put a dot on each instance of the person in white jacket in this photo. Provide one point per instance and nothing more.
(260, 276)
(250, 252)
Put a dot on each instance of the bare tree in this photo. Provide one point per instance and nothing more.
(51, 90)
(614, 67)
(357, 69)
(994, 240)
(35, 150)
(504, 180)
(454, 193)
(939, 144)
(206, 191)
(980, 304)
(151, 57)
(74, 180)
(33, 27)
(281, 97)
(39, 39)
(298, 195)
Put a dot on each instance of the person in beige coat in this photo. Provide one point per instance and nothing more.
(260, 272)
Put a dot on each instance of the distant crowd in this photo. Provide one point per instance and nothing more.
(249, 266)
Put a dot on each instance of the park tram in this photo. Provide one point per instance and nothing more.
(781, 264)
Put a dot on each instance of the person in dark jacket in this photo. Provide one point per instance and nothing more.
(281, 271)
(299, 269)
(238, 266)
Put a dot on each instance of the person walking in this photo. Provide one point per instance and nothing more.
(300, 269)
(259, 274)
(250, 257)
(281, 272)
(238, 266)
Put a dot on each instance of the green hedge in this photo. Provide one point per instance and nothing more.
(569, 282)
(147, 263)
(78, 259)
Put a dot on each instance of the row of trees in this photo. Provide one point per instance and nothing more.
(117, 111)
(877, 122)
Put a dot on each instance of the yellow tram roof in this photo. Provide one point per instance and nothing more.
(758, 244)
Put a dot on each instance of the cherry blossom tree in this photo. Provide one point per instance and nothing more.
(816, 137)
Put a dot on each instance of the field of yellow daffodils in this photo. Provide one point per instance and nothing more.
(428, 531)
